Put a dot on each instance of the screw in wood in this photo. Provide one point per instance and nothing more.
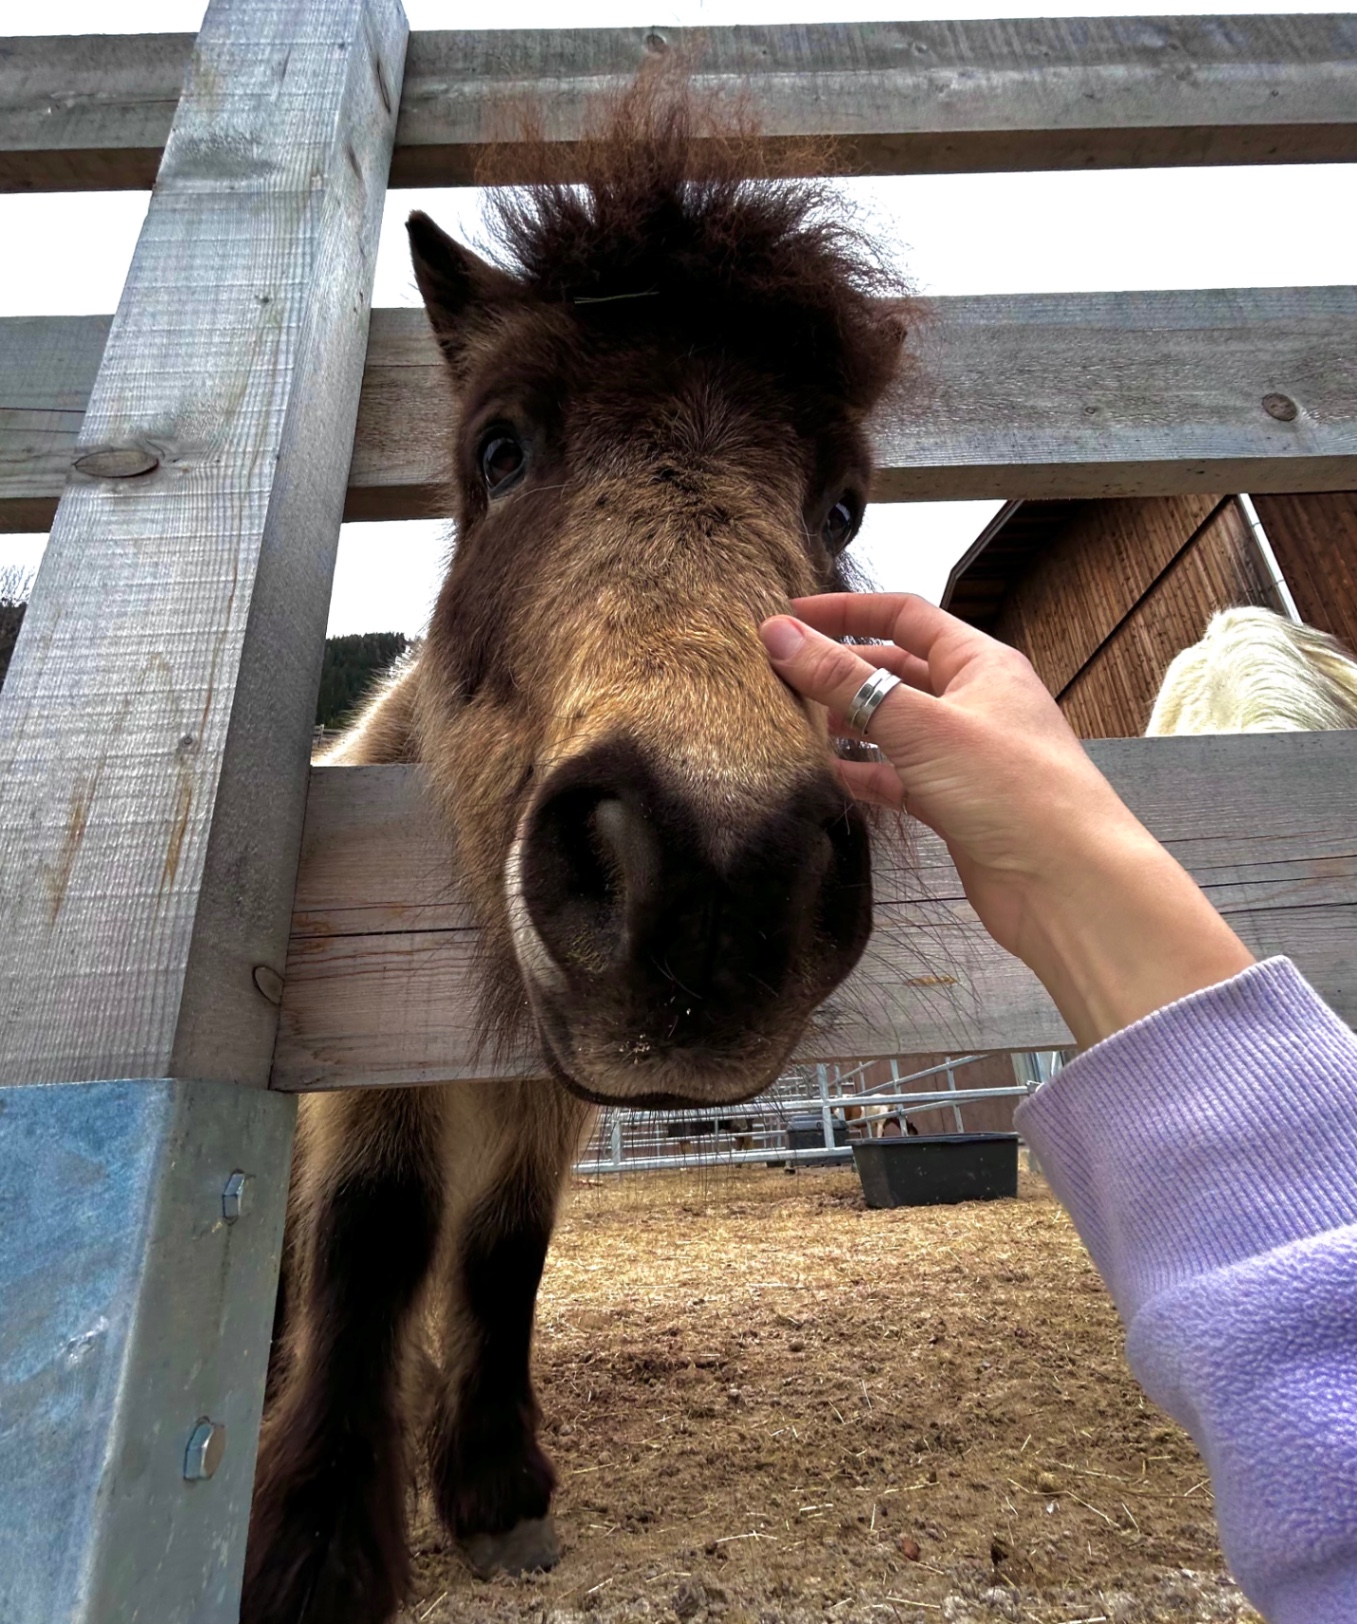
(205, 1449)
(1282, 407)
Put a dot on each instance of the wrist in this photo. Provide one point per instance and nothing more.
(1123, 930)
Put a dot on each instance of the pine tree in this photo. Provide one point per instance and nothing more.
(14, 588)
(349, 672)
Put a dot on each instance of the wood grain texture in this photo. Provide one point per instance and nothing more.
(87, 112)
(1114, 692)
(1047, 395)
(1100, 560)
(155, 721)
(47, 368)
(380, 982)
(925, 97)
(898, 98)
(1126, 394)
(1314, 538)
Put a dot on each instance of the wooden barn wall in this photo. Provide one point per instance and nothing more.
(1090, 576)
(1315, 540)
(1121, 589)
(1113, 695)
(981, 1116)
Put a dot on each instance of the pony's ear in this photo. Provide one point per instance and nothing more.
(455, 283)
(877, 358)
(893, 322)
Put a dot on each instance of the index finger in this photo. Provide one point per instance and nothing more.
(942, 641)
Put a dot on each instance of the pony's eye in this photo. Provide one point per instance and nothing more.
(502, 460)
(840, 523)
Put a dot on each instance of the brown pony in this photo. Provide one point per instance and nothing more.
(656, 439)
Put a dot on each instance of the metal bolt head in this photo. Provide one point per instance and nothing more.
(205, 1450)
(235, 1198)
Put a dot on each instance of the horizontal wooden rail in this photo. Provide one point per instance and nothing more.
(1131, 394)
(379, 989)
(91, 113)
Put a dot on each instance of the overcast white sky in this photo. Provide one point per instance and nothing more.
(1265, 227)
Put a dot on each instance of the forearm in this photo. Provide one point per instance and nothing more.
(1121, 930)
(1208, 1156)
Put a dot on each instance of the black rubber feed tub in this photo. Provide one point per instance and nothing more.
(931, 1169)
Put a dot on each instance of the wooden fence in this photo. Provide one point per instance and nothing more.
(160, 960)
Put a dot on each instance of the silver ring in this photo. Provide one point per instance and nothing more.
(868, 698)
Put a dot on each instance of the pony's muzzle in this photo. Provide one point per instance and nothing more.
(670, 954)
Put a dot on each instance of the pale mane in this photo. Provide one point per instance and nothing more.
(1257, 672)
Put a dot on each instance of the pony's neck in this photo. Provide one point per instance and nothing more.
(384, 731)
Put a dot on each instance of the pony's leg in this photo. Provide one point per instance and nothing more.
(327, 1528)
(492, 1482)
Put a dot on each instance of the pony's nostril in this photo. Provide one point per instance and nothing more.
(588, 853)
(611, 839)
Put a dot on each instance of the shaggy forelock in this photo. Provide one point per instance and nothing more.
(659, 226)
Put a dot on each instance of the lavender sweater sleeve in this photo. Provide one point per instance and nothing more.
(1208, 1157)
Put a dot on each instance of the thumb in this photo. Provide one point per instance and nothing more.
(829, 673)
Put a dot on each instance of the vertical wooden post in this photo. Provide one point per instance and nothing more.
(154, 734)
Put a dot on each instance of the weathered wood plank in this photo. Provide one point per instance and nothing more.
(1132, 394)
(154, 726)
(379, 988)
(153, 763)
(1127, 394)
(87, 112)
(928, 97)
(47, 368)
(899, 98)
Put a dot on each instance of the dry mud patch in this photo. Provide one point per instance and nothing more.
(768, 1405)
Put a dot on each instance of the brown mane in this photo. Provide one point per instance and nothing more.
(654, 217)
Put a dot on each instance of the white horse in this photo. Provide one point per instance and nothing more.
(1257, 672)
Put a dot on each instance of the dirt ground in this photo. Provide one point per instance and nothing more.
(769, 1405)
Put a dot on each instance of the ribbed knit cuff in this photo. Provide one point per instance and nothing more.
(1216, 1128)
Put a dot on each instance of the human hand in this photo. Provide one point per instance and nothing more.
(1056, 866)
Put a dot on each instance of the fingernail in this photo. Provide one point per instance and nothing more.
(782, 636)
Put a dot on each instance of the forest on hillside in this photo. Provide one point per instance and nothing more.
(14, 588)
(351, 666)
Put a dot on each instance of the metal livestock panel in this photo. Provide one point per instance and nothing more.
(626, 1141)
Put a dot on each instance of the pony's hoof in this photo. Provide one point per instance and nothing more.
(529, 1545)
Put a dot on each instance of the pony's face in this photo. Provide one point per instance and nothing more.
(649, 820)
